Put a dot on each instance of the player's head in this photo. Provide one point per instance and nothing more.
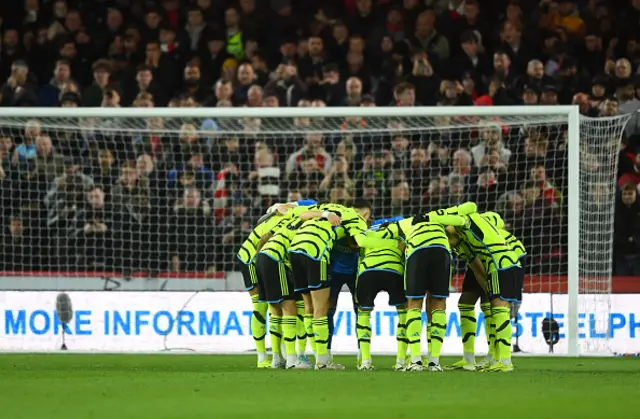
(363, 207)
(453, 236)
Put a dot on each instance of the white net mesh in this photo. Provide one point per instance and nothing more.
(163, 204)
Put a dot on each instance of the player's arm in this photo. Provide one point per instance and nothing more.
(478, 271)
(263, 240)
(494, 218)
(462, 209)
(333, 218)
(283, 208)
(448, 220)
(369, 239)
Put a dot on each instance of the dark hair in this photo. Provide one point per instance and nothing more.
(362, 204)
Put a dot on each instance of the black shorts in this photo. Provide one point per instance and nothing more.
(471, 285)
(521, 272)
(428, 270)
(308, 273)
(370, 284)
(506, 284)
(249, 275)
(276, 279)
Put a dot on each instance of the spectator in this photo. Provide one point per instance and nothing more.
(491, 141)
(313, 147)
(626, 243)
(49, 95)
(92, 95)
(17, 91)
(428, 39)
(286, 85)
(90, 233)
(20, 251)
(191, 234)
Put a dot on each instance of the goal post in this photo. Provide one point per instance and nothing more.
(576, 155)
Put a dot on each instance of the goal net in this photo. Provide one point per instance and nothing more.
(160, 199)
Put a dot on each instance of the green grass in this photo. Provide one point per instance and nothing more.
(74, 386)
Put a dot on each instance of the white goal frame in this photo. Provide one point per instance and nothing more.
(571, 113)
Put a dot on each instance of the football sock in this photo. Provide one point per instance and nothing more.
(330, 315)
(401, 336)
(414, 332)
(429, 336)
(468, 324)
(259, 326)
(488, 319)
(363, 330)
(321, 334)
(308, 325)
(301, 330)
(289, 327)
(275, 333)
(437, 332)
(502, 321)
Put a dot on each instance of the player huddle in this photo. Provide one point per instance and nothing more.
(301, 254)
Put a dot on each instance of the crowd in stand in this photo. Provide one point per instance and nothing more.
(180, 195)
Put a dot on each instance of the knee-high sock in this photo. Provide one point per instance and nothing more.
(301, 330)
(414, 333)
(468, 324)
(488, 329)
(437, 332)
(502, 320)
(401, 336)
(275, 332)
(289, 327)
(259, 325)
(308, 325)
(429, 335)
(330, 315)
(363, 330)
(321, 334)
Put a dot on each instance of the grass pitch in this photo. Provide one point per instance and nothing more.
(72, 386)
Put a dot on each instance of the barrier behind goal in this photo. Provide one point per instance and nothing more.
(119, 193)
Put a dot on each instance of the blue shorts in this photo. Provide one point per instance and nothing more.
(337, 281)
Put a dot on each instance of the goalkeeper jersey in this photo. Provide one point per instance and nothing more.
(248, 250)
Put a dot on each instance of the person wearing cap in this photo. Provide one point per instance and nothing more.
(549, 95)
(530, 96)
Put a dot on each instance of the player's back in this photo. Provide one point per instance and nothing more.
(486, 242)
(514, 244)
(389, 259)
(249, 247)
(422, 232)
(316, 238)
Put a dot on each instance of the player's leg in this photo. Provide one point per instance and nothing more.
(269, 272)
(336, 281)
(415, 286)
(289, 319)
(393, 284)
(504, 289)
(439, 281)
(299, 270)
(319, 286)
(471, 292)
(301, 332)
(427, 309)
(366, 291)
(258, 315)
